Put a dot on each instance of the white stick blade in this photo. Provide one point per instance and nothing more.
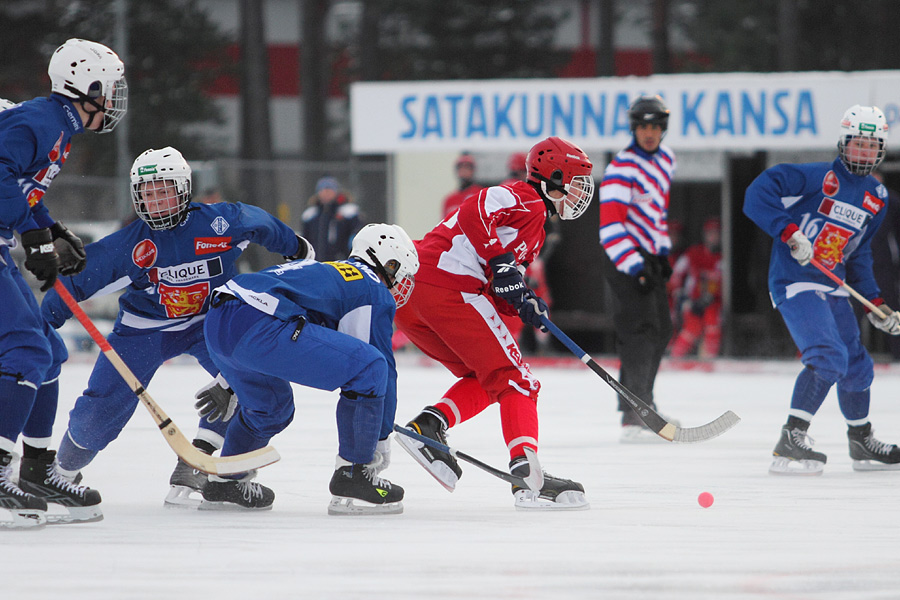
(690, 435)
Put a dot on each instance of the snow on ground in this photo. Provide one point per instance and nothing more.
(645, 536)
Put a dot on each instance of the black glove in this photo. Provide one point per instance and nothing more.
(644, 281)
(507, 281)
(70, 248)
(216, 400)
(665, 268)
(304, 250)
(532, 309)
(40, 256)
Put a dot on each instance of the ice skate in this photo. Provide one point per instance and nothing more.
(794, 454)
(41, 477)
(236, 494)
(187, 485)
(441, 465)
(635, 432)
(26, 511)
(358, 490)
(869, 454)
(555, 494)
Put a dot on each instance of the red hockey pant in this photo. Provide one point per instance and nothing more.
(465, 333)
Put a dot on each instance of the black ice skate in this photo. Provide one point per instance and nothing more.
(869, 454)
(793, 455)
(236, 494)
(26, 510)
(40, 477)
(441, 465)
(358, 490)
(555, 494)
(187, 485)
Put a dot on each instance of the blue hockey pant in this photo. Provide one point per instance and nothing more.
(30, 354)
(107, 404)
(826, 332)
(260, 355)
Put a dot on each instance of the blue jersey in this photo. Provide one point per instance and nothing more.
(839, 212)
(346, 296)
(34, 143)
(169, 274)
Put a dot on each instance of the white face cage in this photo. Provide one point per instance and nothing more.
(115, 106)
(859, 161)
(579, 193)
(161, 203)
(403, 289)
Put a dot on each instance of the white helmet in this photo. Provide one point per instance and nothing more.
(388, 249)
(862, 122)
(168, 167)
(87, 70)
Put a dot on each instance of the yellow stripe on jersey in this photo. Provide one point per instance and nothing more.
(348, 272)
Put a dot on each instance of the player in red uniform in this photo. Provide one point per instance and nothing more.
(465, 172)
(470, 264)
(698, 276)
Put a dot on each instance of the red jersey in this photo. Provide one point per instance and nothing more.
(502, 218)
(699, 273)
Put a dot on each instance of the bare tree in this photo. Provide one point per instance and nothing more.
(662, 62)
(606, 51)
(313, 66)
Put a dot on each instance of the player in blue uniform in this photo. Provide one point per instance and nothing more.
(88, 92)
(326, 326)
(827, 211)
(168, 262)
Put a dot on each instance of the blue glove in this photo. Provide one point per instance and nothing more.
(507, 281)
(532, 309)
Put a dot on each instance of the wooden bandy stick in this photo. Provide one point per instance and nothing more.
(186, 451)
(852, 292)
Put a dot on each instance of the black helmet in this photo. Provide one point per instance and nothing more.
(648, 109)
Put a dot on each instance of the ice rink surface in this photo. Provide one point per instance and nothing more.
(831, 537)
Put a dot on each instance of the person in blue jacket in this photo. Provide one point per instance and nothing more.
(88, 92)
(326, 326)
(168, 262)
(828, 212)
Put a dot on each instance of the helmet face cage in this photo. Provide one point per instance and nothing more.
(862, 123)
(579, 192)
(86, 70)
(559, 165)
(161, 188)
(649, 109)
(393, 255)
(116, 105)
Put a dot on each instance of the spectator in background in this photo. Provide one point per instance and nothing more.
(330, 221)
(211, 195)
(697, 277)
(465, 173)
(515, 166)
(886, 258)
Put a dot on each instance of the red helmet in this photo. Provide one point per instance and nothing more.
(559, 165)
(516, 162)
